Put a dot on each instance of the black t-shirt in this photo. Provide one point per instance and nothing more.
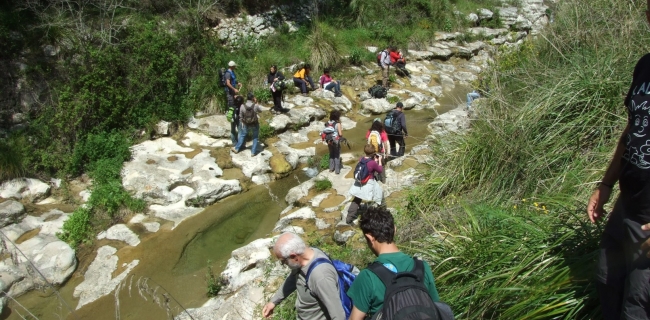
(634, 180)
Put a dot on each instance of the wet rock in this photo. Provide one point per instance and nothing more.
(279, 165)
(10, 210)
(343, 237)
(33, 190)
(315, 202)
(251, 166)
(295, 156)
(302, 214)
(98, 280)
(193, 138)
(120, 232)
(376, 106)
(215, 126)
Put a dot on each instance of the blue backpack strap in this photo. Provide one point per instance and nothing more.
(313, 265)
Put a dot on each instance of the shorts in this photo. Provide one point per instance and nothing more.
(623, 268)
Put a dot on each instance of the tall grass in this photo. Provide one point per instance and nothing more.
(554, 110)
(524, 263)
(544, 135)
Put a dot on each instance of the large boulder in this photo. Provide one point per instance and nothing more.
(120, 232)
(25, 188)
(300, 214)
(376, 106)
(279, 165)
(216, 126)
(10, 210)
(295, 156)
(252, 166)
(160, 165)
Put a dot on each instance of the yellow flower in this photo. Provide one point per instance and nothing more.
(523, 200)
(536, 204)
(544, 208)
(515, 206)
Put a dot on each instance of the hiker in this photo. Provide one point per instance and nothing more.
(301, 78)
(328, 83)
(471, 97)
(377, 137)
(332, 135)
(384, 63)
(234, 124)
(395, 125)
(318, 298)
(232, 86)
(623, 272)
(367, 291)
(275, 78)
(397, 59)
(368, 190)
(249, 121)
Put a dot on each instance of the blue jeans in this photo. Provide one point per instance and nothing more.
(243, 130)
(234, 128)
(334, 86)
(302, 84)
(471, 96)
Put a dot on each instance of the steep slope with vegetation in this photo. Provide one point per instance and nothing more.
(503, 213)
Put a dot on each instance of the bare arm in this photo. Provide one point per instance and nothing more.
(601, 195)
(357, 314)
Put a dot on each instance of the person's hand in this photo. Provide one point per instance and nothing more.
(595, 209)
(239, 85)
(268, 309)
(236, 91)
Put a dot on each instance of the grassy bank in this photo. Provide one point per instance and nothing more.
(506, 203)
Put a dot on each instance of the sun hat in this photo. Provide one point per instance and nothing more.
(232, 64)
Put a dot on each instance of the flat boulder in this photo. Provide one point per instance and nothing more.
(33, 190)
(216, 126)
(376, 106)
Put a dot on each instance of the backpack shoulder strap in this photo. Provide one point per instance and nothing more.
(313, 265)
(386, 276)
(418, 269)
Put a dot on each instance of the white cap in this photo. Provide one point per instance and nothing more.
(232, 64)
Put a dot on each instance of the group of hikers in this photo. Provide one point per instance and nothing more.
(395, 286)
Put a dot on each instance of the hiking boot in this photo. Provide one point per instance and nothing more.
(338, 94)
(234, 150)
(304, 94)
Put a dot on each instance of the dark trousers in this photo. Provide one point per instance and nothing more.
(302, 84)
(277, 99)
(396, 138)
(623, 274)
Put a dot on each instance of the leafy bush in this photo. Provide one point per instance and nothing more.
(324, 162)
(323, 184)
(266, 131)
(325, 47)
(263, 94)
(77, 229)
(214, 282)
(95, 147)
(11, 162)
(356, 56)
(393, 99)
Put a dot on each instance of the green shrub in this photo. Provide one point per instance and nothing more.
(214, 282)
(324, 162)
(11, 161)
(356, 56)
(266, 131)
(393, 99)
(95, 147)
(263, 94)
(77, 229)
(325, 47)
(322, 185)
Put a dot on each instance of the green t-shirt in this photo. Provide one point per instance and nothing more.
(367, 291)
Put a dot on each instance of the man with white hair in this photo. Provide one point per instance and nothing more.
(318, 298)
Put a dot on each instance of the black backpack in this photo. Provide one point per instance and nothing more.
(406, 295)
(391, 124)
(249, 116)
(378, 91)
(222, 77)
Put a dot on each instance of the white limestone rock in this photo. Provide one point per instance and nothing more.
(250, 166)
(199, 139)
(302, 214)
(10, 210)
(33, 190)
(376, 106)
(98, 280)
(120, 232)
(216, 126)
